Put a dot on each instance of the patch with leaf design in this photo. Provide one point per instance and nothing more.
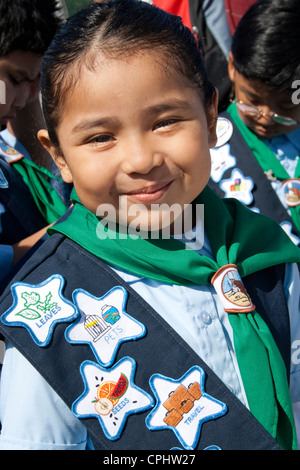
(39, 308)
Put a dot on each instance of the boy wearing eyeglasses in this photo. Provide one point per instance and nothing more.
(260, 161)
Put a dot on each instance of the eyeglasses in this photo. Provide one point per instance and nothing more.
(253, 111)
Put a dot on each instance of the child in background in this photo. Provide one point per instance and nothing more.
(146, 338)
(28, 202)
(263, 152)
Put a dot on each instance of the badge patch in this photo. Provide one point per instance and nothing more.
(103, 324)
(238, 187)
(231, 291)
(110, 395)
(224, 131)
(39, 307)
(221, 160)
(183, 406)
(9, 153)
(291, 190)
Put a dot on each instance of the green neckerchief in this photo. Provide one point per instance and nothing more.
(46, 198)
(239, 236)
(265, 157)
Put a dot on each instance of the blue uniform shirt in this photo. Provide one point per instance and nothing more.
(34, 417)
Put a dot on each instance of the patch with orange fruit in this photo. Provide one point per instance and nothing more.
(111, 395)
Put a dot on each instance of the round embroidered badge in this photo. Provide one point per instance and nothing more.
(291, 189)
(231, 290)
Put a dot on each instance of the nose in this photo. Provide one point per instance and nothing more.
(266, 115)
(141, 157)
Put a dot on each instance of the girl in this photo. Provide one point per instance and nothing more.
(123, 334)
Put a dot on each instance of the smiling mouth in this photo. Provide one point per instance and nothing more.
(149, 194)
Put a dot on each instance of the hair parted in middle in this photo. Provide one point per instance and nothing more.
(117, 29)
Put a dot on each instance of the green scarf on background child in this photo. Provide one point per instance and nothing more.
(46, 198)
(265, 157)
(237, 236)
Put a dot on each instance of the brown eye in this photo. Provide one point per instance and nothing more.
(165, 123)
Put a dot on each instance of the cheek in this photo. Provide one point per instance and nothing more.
(198, 158)
(34, 90)
(198, 171)
(94, 180)
(248, 120)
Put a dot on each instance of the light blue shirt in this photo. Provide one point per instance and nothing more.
(286, 147)
(216, 19)
(34, 417)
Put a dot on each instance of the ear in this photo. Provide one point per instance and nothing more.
(231, 67)
(56, 154)
(212, 117)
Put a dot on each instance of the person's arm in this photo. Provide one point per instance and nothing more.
(20, 248)
(11, 254)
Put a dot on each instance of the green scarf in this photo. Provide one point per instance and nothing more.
(265, 157)
(46, 198)
(239, 236)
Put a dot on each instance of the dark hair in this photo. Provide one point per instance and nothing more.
(27, 25)
(117, 29)
(266, 43)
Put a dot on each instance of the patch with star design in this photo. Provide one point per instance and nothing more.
(183, 406)
(103, 323)
(39, 307)
(238, 186)
(111, 396)
(221, 160)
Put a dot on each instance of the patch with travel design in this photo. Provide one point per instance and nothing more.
(9, 153)
(39, 308)
(103, 323)
(231, 290)
(183, 406)
(238, 186)
(111, 396)
(221, 160)
(3, 180)
(291, 191)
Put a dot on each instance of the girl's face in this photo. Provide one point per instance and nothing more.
(20, 73)
(133, 134)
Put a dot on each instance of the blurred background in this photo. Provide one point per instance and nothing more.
(72, 6)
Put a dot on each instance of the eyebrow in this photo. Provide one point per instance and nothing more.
(91, 124)
(171, 105)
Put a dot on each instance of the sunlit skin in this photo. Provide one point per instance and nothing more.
(131, 129)
(20, 72)
(256, 93)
